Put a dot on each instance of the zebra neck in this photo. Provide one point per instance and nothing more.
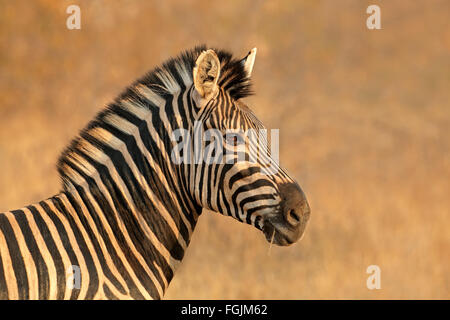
(138, 235)
(107, 251)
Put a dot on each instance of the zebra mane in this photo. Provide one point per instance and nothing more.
(173, 75)
(177, 72)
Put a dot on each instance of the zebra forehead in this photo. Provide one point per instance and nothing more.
(249, 115)
(236, 116)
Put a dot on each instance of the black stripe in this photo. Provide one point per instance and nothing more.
(67, 246)
(53, 250)
(94, 237)
(110, 216)
(141, 243)
(145, 206)
(174, 72)
(248, 187)
(242, 174)
(227, 208)
(135, 232)
(16, 258)
(41, 267)
(253, 198)
(93, 274)
(159, 189)
(181, 111)
(108, 293)
(162, 159)
(257, 219)
(255, 209)
(252, 186)
(3, 286)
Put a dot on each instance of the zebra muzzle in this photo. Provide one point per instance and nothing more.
(288, 226)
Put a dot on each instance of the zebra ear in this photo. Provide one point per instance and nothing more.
(249, 61)
(206, 74)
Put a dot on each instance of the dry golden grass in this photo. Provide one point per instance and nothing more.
(364, 118)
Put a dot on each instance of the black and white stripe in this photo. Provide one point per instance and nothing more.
(126, 213)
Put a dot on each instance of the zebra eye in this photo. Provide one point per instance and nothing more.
(234, 139)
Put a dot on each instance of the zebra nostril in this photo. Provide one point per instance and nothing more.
(294, 215)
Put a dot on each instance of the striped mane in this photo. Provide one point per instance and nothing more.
(178, 71)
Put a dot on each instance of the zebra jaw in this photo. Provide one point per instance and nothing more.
(280, 234)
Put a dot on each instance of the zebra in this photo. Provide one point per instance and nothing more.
(126, 210)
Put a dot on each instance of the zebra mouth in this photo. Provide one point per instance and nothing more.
(278, 235)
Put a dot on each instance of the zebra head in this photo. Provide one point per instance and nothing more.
(232, 171)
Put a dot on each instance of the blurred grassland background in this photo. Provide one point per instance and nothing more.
(364, 121)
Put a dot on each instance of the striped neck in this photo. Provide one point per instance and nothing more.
(78, 245)
(119, 177)
(139, 247)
